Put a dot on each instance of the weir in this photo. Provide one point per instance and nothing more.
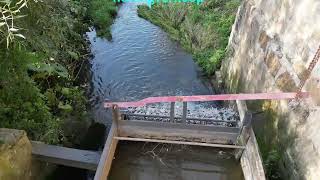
(188, 131)
(236, 135)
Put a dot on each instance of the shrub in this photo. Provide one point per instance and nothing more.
(102, 13)
(38, 88)
(22, 105)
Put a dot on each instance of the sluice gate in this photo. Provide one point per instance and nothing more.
(237, 135)
(234, 134)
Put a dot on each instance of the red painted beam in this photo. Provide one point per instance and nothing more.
(203, 98)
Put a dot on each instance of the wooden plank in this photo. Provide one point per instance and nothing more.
(180, 142)
(250, 160)
(179, 132)
(242, 109)
(245, 126)
(65, 156)
(184, 112)
(172, 106)
(178, 126)
(107, 155)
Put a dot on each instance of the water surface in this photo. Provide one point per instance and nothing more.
(153, 161)
(142, 61)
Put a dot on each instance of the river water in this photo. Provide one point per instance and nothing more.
(142, 61)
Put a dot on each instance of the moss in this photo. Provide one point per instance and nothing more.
(271, 132)
(7, 172)
(15, 155)
(267, 130)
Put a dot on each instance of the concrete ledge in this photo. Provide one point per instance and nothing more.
(250, 160)
(65, 156)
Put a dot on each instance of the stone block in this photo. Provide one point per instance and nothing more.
(263, 40)
(313, 86)
(286, 83)
(15, 155)
(273, 63)
(300, 69)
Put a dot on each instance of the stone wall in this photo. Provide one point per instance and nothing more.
(271, 46)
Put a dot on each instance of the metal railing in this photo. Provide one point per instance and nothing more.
(204, 98)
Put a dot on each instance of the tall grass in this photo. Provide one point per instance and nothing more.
(202, 29)
(102, 13)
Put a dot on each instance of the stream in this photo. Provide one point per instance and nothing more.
(142, 61)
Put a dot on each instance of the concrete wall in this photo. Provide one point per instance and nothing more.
(271, 46)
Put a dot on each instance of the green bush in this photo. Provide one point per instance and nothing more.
(39, 89)
(213, 63)
(22, 105)
(102, 13)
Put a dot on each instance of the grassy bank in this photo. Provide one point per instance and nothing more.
(42, 54)
(202, 29)
(102, 13)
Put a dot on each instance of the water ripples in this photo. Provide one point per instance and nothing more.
(140, 61)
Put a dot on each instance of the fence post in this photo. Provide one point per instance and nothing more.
(172, 106)
(116, 115)
(244, 133)
(184, 112)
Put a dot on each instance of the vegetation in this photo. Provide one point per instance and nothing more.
(271, 143)
(42, 53)
(37, 75)
(270, 148)
(102, 13)
(202, 29)
(268, 125)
